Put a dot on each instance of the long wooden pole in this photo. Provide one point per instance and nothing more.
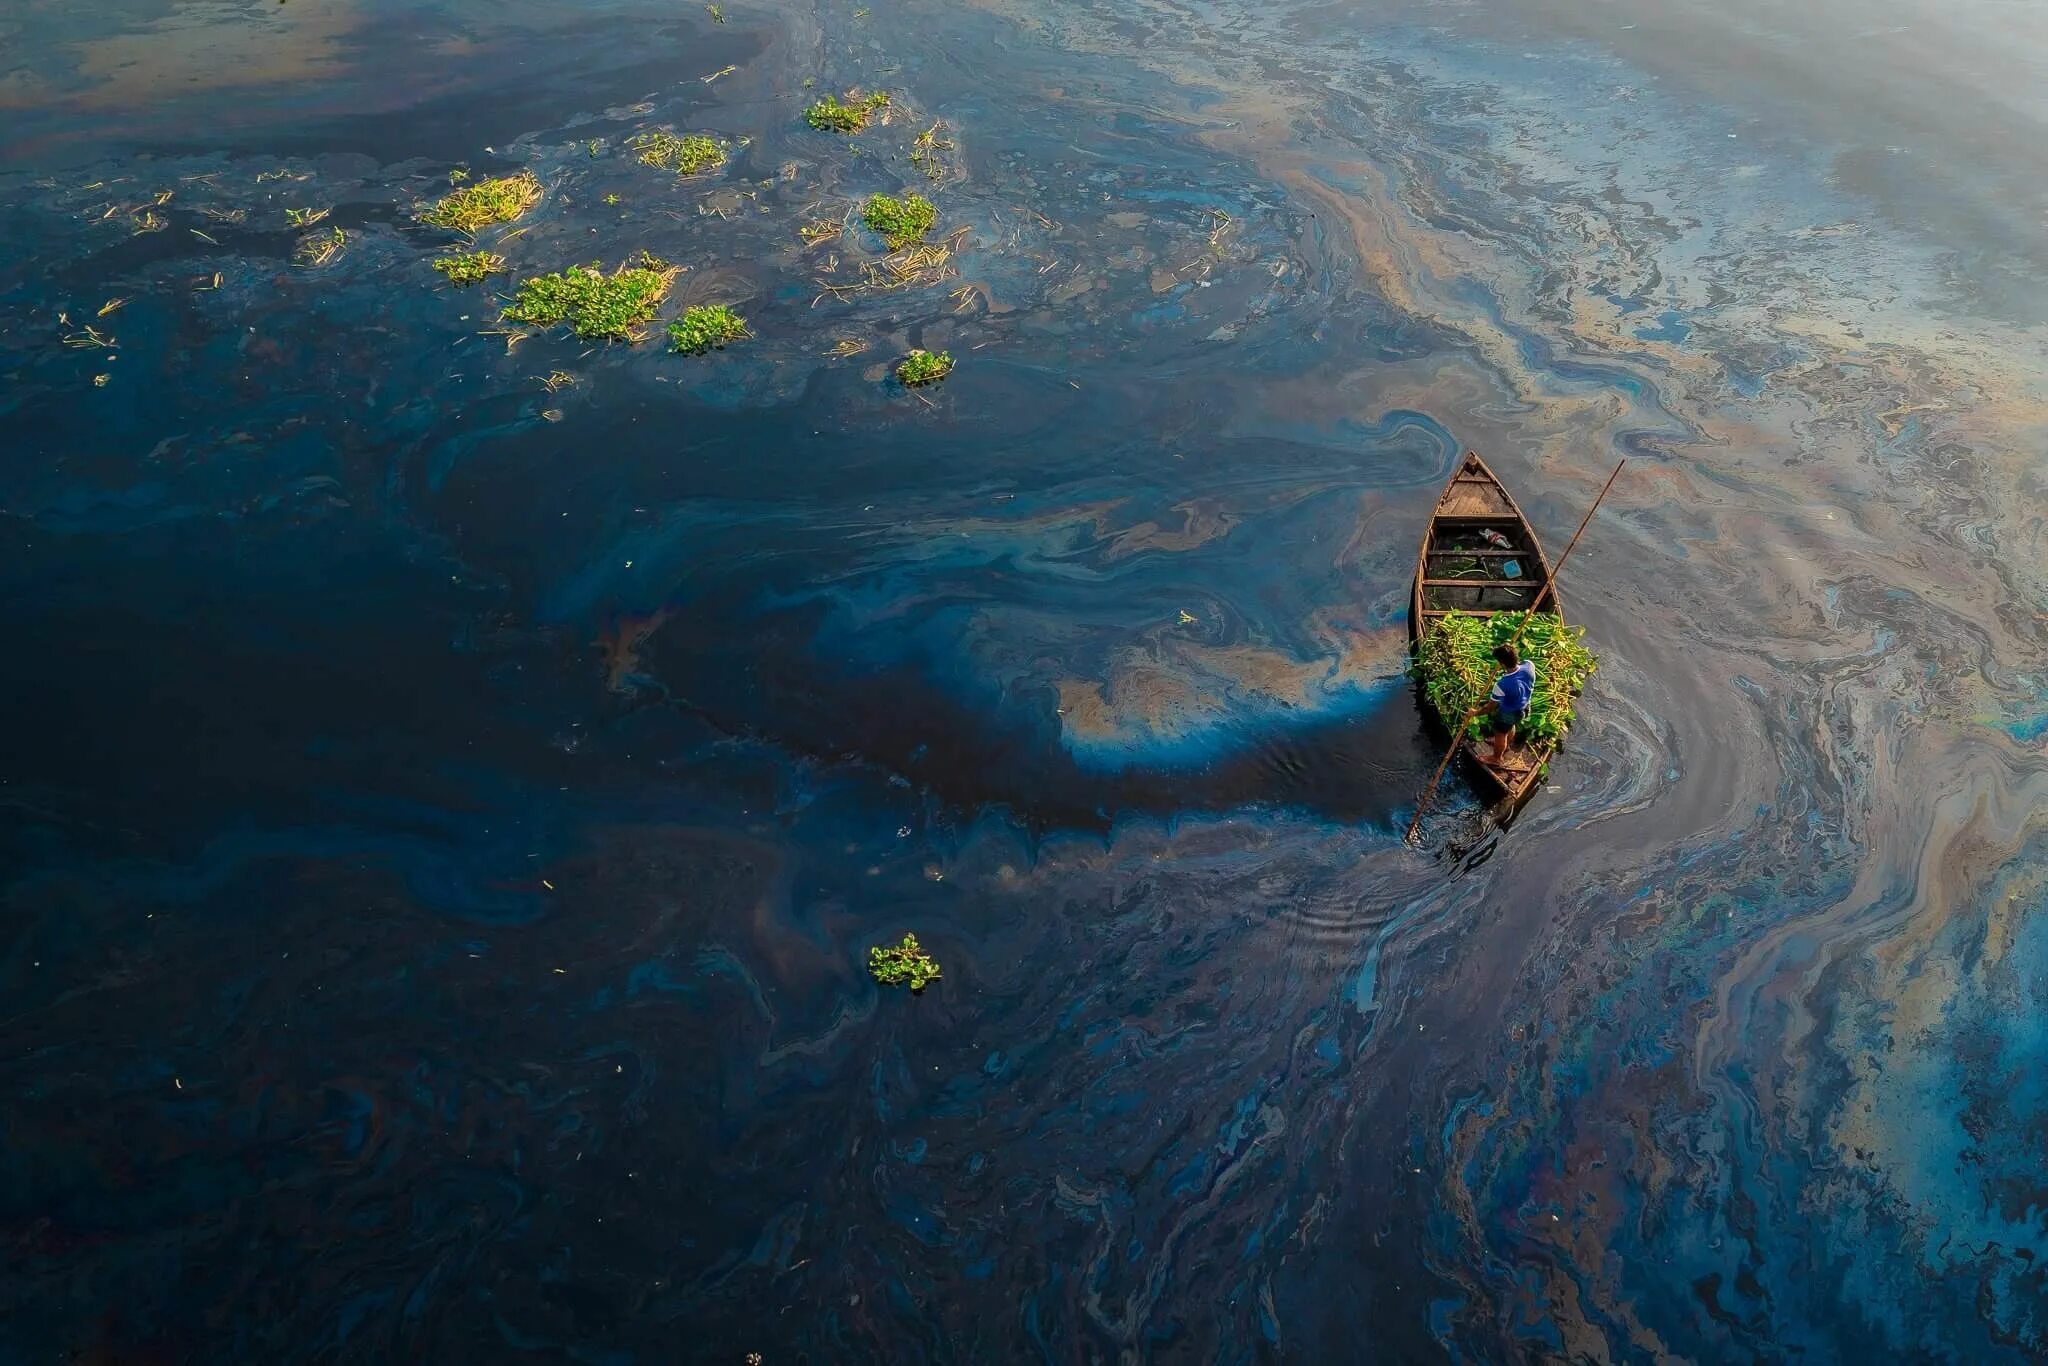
(1458, 733)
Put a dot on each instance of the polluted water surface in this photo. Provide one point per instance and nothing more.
(721, 682)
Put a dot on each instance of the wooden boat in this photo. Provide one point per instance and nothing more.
(1481, 556)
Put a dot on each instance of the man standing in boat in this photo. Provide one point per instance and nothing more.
(1508, 703)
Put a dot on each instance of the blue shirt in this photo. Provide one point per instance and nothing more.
(1512, 690)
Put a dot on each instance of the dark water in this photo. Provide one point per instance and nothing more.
(445, 817)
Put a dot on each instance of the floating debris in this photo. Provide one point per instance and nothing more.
(556, 380)
(722, 71)
(502, 199)
(717, 14)
(207, 238)
(848, 346)
(512, 335)
(829, 115)
(101, 381)
(89, 338)
(706, 327)
(1222, 224)
(468, 267)
(820, 230)
(458, 175)
(111, 306)
(320, 248)
(305, 218)
(924, 151)
(150, 221)
(224, 215)
(924, 367)
(690, 154)
(594, 304)
(928, 264)
(901, 222)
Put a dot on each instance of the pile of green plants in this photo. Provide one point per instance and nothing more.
(901, 222)
(924, 367)
(468, 267)
(904, 963)
(830, 116)
(1456, 665)
(593, 303)
(704, 327)
(690, 154)
(488, 201)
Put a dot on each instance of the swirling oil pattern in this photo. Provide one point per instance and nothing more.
(453, 777)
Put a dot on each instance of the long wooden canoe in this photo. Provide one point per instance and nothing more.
(1464, 568)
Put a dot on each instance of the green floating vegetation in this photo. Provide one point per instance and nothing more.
(904, 963)
(689, 154)
(924, 367)
(830, 116)
(902, 222)
(595, 304)
(1456, 665)
(468, 267)
(705, 327)
(501, 199)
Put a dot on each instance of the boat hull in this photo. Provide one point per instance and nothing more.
(1480, 556)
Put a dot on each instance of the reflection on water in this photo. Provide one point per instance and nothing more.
(457, 775)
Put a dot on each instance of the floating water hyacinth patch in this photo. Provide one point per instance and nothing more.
(905, 963)
(593, 303)
(501, 199)
(901, 222)
(831, 116)
(688, 154)
(924, 367)
(706, 327)
(468, 267)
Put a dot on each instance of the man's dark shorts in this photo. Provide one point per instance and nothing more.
(1496, 724)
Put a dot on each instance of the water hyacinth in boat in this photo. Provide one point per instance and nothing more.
(1455, 662)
